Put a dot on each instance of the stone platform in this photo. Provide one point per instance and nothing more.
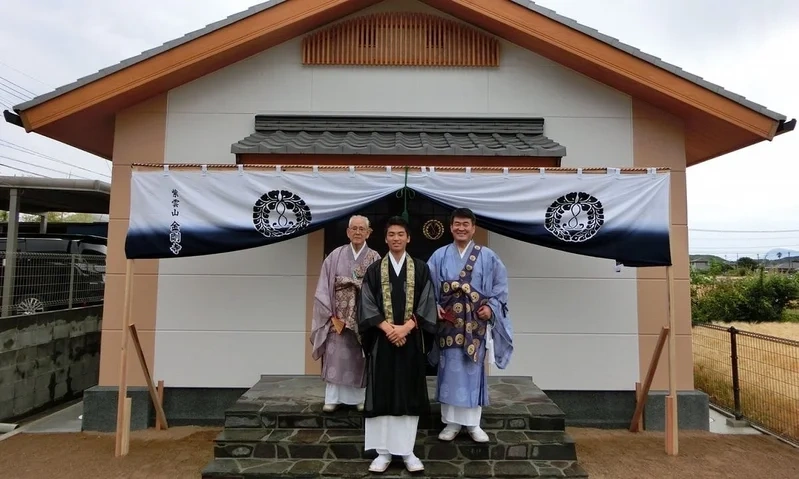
(277, 429)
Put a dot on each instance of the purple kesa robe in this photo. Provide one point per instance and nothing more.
(461, 378)
(337, 293)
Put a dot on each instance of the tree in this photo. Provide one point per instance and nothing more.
(716, 267)
(747, 263)
(59, 217)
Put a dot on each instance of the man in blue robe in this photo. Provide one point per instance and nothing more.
(471, 286)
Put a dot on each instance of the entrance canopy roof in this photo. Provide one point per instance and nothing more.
(334, 135)
(41, 195)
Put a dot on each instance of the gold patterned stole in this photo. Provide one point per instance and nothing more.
(461, 328)
(410, 280)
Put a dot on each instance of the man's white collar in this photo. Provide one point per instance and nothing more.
(397, 264)
(356, 255)
(467, 248)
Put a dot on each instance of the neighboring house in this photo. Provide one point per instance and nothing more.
(210, 326)
(790, 266)
(700, 264)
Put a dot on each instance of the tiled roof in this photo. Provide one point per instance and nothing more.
(525, 3)
(332, 135)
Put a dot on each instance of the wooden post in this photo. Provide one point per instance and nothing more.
(123, 425)
(635, 424)
(159, 411)
(640, 401)
(158, 425)
(672, 441)
(125, 443)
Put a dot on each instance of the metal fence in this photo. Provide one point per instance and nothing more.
(753, 376)
(51, 281)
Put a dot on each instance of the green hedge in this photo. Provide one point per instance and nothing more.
(756, 298)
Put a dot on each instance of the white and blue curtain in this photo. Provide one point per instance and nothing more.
(181, 213)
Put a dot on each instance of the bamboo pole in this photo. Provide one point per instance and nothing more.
(394, 168)
(123, 420)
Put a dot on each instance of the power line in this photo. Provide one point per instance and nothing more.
(17, 87)
(5, 89)
(749, 250)
(45, 168)
(789, 237)
(23, 149)
(25, 74)
(24, 171)
(743, 231)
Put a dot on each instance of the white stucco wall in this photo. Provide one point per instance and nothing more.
(226, 319)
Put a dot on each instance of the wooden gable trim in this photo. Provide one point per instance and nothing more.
(602, 62)
(723, 124)
(193, 59)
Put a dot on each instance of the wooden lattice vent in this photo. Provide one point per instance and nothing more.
(401, 39)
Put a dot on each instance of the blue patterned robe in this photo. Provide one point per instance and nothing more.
(462, 379)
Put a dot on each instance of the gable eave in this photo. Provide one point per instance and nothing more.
(520, 21)
(653, 60)
(184, 59)
(174, 43)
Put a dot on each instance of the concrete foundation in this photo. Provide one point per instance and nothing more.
(207, 406)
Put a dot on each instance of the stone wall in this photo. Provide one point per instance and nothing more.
(47, 358)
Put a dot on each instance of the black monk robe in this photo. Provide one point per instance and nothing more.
(396, 383)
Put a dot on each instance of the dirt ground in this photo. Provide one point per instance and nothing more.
(183, 452)
(703, 455)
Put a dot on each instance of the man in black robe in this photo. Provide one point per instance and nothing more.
(396, 320)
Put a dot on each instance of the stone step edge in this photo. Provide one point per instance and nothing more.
(350, 411)
(243, 468)
(559, 437)
(310, 421)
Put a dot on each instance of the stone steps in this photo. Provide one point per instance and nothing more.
(356, 469)
(347, 444)
(277, 429)
(279, 402)
(522, 418)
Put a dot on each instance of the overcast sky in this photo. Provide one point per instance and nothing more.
(745, 46)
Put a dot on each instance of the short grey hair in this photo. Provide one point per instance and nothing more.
(359, 217)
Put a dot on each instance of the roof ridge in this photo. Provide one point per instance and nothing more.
(654, 60)
(529, 4)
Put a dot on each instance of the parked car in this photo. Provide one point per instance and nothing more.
(56, 271)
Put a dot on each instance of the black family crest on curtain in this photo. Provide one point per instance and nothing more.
(623, 217)
(280, 213)
(575, 217)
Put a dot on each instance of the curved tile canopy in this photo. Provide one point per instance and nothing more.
(328, 135)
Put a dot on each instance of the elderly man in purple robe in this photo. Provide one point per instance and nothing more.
(334, 331)
(471, 285)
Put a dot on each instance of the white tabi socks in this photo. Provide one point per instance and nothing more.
(451, 431)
